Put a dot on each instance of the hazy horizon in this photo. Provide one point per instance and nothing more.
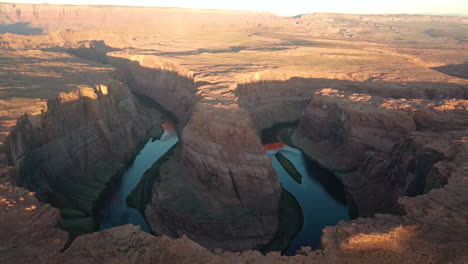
(293, 7)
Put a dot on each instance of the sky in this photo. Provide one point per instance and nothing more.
(293, 7)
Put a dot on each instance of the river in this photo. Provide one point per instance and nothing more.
(322, 201)
(321, 198)
(115, 211)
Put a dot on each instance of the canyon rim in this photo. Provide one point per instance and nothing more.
(376, 103)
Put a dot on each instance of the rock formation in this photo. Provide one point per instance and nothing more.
(374, 102)
(29, 232)
(372, 146)
(220, 189)
(70, 153)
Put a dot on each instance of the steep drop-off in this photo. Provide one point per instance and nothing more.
(220, 189)
(375, 114)
(229, 187)
(362, 131)
(369, 144)
(70, 153)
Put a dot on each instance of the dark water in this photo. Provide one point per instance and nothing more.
(321, 198)
(115, 211)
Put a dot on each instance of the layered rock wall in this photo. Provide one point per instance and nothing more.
(370, 144)
(71, 152)
(220, 189)
(165, 82)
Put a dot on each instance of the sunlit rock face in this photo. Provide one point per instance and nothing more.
(378, 105)
(29, 232)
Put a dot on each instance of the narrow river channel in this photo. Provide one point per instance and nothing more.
(321, 198)
(115, 211)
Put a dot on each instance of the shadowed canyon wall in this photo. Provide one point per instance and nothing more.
(70, 153)
(365, 138)
(398, 145)
(220, 189)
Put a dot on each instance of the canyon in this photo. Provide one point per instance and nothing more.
(377, 101)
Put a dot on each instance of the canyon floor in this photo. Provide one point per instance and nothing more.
(380, 101)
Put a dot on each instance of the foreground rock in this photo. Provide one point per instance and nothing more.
(385, 238)
(28, 230)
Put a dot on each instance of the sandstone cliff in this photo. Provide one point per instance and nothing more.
(389, 125)
(370, 144)
(70, 153)
(229, 191)
(220, 189)
(385, 239)
(165, 82)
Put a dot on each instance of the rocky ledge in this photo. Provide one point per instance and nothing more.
(70, 153)
(381, 115)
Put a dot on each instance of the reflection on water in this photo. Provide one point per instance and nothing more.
(321, 199)
(321, 205)
(115, 211)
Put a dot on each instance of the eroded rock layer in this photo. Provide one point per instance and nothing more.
(380, 102)
(372, 145)
(220, 189)
(28, 233)
(71, 152)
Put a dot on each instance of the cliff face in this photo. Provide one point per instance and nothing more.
(40, 18)
(274, 102)
(430, 232)
(346, 125)
(432, 223)
(388, 125)
(220, 189)
(371, 144)
(165, 82)
(69, 153)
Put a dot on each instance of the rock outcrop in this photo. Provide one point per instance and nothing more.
(220, 189)
(230, 190)
(373, 104)
(165, 82)
(429, 228)
(28, 230)
(70, 153)
(373, 146)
